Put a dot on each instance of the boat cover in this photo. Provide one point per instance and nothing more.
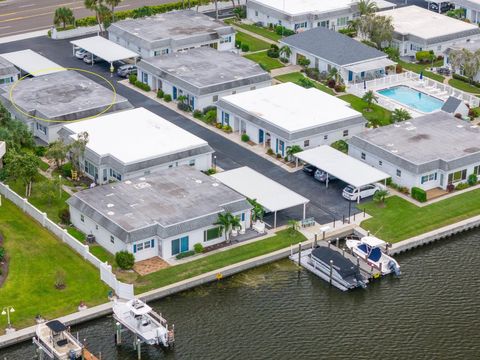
(343, 266)
(56, 326)
(375, 254)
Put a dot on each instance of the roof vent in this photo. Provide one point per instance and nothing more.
(408, 123)
(410, 128)
(110, 213)
(128, 182)
(474, 126)
(110, 205)
(394, 151)
(459, 126)
(390, 145)
(142, 179)
(142, 185)
(198, 181)
(397, 125)
(111, 194)
(215, 184)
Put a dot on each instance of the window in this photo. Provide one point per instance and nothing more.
(399, 173)
(147, 245)
(256, 13)
(415, 47)
(96, 227)
(114, 174)
(112, 239)
(146, 172)
(180, 245)
(145, 78)
(345, 133)
(325, 137)
(82, 218)
(139, 246)
(225, 39)
(252, 88)
(457, 176)
(380, 162)
(342, 21)
(302, 25)
(226, 118)
(476, 170)
(306, 143)
(215, 98)
(191, 162)
(42, 129)
(212, 234)
(363, 156)
(234, 92)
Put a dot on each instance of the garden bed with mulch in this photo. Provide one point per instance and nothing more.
(3, 265)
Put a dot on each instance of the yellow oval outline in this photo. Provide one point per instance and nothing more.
(64, 121)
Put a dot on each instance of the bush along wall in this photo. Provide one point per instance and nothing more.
(419, 194)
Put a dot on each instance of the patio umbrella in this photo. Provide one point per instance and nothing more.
(421, 75)
(364, 85)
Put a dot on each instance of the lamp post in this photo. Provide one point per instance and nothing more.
(215, 162)
(6, 311)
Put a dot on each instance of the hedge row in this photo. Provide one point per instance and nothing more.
(465, 79)
(140, 12)
(419, 194)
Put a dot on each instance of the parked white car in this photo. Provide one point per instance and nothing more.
(352, 194)
(80, 54)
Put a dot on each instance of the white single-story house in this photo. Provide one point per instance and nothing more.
(471, 7)
(8, 72)
(300, 15)
(472, 46)
(45, 103)
(417, 29)
(171, 32)
(202, 75)
(136, 142)
(327, 49)
(162, 214)
(284, 115)
(428, 152)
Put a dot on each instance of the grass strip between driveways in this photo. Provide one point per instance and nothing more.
(35, 259)
(400, 219)
(219, 260)
(295, 78)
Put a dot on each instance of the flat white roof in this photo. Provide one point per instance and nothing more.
(298, 7)
(134, 135)
(292, 107)
(32, 62)
(104, 48)
(370, 65)
(253, 185)
(424, 23)
(342, 166)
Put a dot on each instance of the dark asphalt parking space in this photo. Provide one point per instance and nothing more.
(325, 204)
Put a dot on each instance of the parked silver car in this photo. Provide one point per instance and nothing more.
(127, 70)
(80, 53)
(88, 58)
(322, 176)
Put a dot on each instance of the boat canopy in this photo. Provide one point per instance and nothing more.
(372, 241)
(56, 326)
(139, 307)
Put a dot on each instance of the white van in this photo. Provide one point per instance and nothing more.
(352, 194)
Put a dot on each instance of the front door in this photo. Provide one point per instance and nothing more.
(441, 180)
(184, 244)
(174, 93)
(260, 136)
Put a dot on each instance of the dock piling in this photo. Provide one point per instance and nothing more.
(329, 243)
(118, 333)
(139, 349)
(337, 242)
(316, 239)
(299, 253)
(331, 271)
(343, 251)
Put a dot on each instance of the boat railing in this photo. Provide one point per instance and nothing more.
(159, 318)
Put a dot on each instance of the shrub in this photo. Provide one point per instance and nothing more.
(227, 128)
(40, 150)
(2, 253)
(167, 97)
(245, 48)
(340, 88)
(142, 85)
(312, 73)
(160, 94)
(348, 32)
(125, 260)
(303, 62)
(60, 282)
(184, 107)
(270, 151)
(340, 145)
(245, 138)
(198, 248)
(211, 171)
(472, 179)
(424, 56)
(238, 44)
(218, 125)
(279, 156)
(369, 43)
(398, 69)
(210, 116)
(274, 47)
(197, 114)
(281, 30)
(331, 83)
(462, 186)
(66, 169)
(185, 254)
(273, 53)
(284, 60)
(132, 79)
(419, 194)
(64, 215)
(205, 110)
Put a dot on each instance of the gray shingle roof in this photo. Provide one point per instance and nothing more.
(7, 68)
(451, 105)
(332, 46)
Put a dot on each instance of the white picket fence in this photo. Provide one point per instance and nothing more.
(121, 289)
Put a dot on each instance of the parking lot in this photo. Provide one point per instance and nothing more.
(325, 204)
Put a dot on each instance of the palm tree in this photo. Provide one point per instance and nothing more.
(64, 16)
(367, 7)
(113, 4)
(257, 210)
(292, 150)
(97, 6)
(182, 99)
(224, 222)
(285, 52)
(399, 115)
(292, 226)
(369, 97)
(379, 196)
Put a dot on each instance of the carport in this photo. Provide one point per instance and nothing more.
(104, 49)
(271, 195)
(346, 168)
(31, 62)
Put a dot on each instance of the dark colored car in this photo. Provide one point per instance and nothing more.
(309, 169)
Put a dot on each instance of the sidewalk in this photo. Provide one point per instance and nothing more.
(255, 35)
(234, 137)
(285, 70)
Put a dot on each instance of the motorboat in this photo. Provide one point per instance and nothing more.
(55, 339)
(369, 248)
(140, 319)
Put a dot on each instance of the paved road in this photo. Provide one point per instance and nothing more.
(20, 16)
(325, 204)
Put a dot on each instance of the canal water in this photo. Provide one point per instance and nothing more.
(279, 312)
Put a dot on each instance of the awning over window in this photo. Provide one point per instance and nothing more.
(370, 65)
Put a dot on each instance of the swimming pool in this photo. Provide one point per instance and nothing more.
(412, 98)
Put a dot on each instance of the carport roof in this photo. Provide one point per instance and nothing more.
(268, 193)
(342, 166)
(32, 62)
(104, 48)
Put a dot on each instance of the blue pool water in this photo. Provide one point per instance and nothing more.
(412, 98)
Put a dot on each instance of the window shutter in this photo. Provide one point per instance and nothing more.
(134, 248)
(153, 242)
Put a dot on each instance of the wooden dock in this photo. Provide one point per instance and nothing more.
(87, 355)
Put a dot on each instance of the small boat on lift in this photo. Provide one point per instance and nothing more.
(140, 319)
(369, 248)
(55, 340)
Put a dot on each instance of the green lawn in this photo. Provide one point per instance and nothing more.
(296, 76)
(464, 86)
(418, 68)
(103, 255)
(43, 165)
(254, 43)
(260, 31)
(378, 116)
(400, 219)
(173, 274)
(267, 62)
(35, 257)
(42, 201)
